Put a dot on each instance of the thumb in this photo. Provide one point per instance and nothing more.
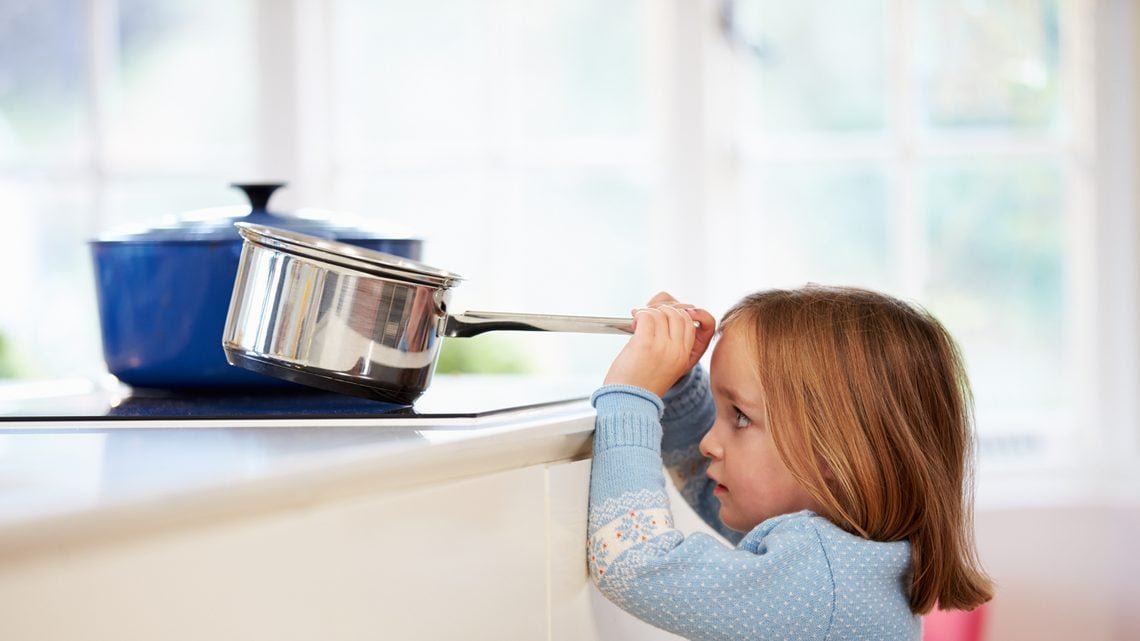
(704, 334)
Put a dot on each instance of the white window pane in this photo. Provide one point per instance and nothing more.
(580, 71)
(444, 207)
(824, 223)
(569, 232)
(186, 83)
(49, 318)
(566, 242)
(145, 202)
(551, 233)
(990, 64)
(410, 70)
(43, 62)
(997, 278)
(813, 66)
(573, 242)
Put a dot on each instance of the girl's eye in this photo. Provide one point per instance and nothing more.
(741, 420)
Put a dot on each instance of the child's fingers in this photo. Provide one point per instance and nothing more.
(680, 323)
(680, 327)
(647, 322)
(658, 352)
(665, 299)
(671, 303)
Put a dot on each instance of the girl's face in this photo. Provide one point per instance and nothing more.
(753, 484)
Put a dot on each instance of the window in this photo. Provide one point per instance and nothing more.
(935, 150)
(111, 113)
(575, 156)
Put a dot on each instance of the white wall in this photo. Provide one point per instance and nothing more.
(1062, 572)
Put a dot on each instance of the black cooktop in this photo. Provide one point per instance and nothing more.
(448, 397)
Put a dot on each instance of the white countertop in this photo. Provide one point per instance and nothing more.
(73, 484)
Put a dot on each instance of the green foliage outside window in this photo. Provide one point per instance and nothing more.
(7, 362)
(481, 355)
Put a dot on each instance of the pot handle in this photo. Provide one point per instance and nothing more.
(474, 323)
(258, 195)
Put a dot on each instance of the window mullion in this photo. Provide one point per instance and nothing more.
(315, 89)
(690, 47)
(906, 204)
(101, 75)
(277, 93)
(1107, 181)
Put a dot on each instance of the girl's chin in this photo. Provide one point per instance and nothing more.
(734, 523)
(731, 523)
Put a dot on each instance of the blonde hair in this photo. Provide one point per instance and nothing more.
(870, 409)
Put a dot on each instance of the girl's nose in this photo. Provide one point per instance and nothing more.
(710, 445)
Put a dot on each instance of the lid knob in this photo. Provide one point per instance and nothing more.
(258, 194)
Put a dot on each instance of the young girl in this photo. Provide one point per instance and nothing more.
(831, 448)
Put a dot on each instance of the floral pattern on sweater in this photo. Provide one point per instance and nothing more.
(630, 529)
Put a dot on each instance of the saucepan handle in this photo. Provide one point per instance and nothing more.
(474, 323)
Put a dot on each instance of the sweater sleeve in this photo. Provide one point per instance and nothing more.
(688, 416)
(779, 584)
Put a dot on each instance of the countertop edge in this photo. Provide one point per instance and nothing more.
(561, 432)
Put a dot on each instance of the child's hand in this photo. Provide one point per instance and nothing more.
(705, 330)
(666, 343)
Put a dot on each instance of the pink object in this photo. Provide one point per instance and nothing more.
(954, 625)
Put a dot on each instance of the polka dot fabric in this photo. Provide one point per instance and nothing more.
(796, 576)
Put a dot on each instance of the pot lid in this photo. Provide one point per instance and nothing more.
(217, 223)
(360, 258)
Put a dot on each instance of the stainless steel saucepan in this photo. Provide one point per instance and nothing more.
(348, 319)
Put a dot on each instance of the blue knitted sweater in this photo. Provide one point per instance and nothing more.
(794, 576)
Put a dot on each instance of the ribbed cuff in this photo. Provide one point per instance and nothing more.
(627, 415)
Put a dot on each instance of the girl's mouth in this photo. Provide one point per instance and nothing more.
(719, 489)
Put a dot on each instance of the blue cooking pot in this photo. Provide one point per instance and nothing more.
(164, 292)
